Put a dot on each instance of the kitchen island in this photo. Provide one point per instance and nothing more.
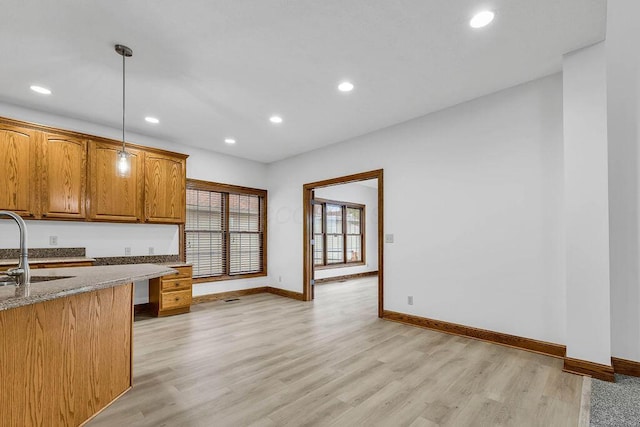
(66, 344)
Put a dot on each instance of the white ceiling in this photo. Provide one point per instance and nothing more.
(212, 69)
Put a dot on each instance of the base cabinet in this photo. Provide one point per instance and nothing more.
(170, 295)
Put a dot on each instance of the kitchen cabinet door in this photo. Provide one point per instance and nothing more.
(165, 188)
(64, 177)
(18, 179)
(113, 198)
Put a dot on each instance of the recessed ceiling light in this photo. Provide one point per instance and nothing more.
(482, 19)
(152, 120)
(230, 140)
(275, 119)
(41, 90)
(345, 87)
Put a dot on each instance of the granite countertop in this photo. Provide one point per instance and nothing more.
(53, 260)
(78, 280)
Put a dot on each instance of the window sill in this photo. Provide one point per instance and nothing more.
(344, 265)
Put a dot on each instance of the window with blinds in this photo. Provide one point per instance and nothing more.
(338, 233)
(225, 230)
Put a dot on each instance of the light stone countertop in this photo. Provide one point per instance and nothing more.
(79, 280)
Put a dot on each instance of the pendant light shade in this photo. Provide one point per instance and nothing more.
(123, 162)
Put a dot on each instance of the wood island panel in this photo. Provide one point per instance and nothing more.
(65, 360)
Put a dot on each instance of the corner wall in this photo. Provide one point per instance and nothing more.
(623, 95)
(586, 205)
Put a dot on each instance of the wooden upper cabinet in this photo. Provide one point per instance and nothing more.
(165, 188)
(64, 177)
(112, 198)
(59, 174)
(18, 165)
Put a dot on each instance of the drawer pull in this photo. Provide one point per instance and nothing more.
(177, 299)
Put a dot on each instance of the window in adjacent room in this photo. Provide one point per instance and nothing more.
(338, 233)
(225, 230)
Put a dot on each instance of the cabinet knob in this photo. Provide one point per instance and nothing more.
(177, 299)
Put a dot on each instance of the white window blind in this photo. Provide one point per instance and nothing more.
(224, 231)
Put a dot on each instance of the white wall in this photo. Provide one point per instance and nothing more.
(99, 239)
(368, 196)
(587, 207)
(105, 240)
(623, 83)
(484, 181)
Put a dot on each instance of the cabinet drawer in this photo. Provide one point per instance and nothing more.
(175, 284)
(182, 272)
(175, 299)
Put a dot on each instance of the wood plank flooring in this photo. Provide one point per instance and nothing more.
(272, 361)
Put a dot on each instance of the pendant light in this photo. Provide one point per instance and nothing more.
(123, 162)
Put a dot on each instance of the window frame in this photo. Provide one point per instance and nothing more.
(344, 206)
(226, 189)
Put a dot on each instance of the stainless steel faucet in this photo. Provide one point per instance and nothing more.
(21, 274)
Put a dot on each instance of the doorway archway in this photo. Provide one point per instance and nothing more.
(307, 221)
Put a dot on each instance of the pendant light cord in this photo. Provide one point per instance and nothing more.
(123, 103)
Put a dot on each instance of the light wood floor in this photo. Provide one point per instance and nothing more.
(271, 361)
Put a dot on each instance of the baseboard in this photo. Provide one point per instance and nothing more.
(625, 367)
(284, 293)
(584, 367)
(345, 277)
(143, 308)
(244, 292)
(535, 346)
(227, 295)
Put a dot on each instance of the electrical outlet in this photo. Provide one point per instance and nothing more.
(127, 251)
(410, 300)
(388, 238)
(151, 250)
(280, 279)
(53, 240)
